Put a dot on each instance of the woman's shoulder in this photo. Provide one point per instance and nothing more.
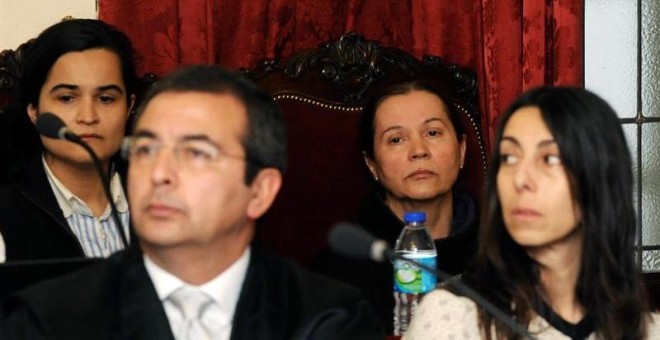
(441, 298)
(443, 314)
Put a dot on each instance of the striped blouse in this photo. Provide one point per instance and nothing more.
(98, 236)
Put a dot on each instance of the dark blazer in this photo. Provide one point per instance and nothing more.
(32, 223)
(116, 299)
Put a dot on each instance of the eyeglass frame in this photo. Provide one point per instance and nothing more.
(128, 142)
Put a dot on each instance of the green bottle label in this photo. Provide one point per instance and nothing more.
(408, 278)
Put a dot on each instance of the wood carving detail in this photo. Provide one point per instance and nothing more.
(352, 64)
(11, 73)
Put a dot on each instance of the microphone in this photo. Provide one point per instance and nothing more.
(52, 126)
(352, 241)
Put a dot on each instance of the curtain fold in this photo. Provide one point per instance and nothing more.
(513, 45)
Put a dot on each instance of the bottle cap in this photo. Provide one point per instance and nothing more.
(414, 216)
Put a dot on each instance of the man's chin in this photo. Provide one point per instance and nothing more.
(150, 245)
(158, 233)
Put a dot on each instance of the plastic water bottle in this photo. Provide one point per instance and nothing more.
(411, 282)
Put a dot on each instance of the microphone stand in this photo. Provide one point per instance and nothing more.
(105, 178)
(467, 291)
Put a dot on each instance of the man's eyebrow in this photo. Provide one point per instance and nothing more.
(186, 138)
(144, 133)
(199, 138)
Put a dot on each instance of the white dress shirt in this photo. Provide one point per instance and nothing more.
(224, 289)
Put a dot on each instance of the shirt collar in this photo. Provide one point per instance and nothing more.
(224, 289)
(70, 203)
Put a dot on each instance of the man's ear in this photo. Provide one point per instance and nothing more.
(33, 112)
(264, 187)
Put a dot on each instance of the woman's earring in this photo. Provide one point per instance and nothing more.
(376, 178)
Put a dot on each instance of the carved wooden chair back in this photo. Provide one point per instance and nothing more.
(322, 92)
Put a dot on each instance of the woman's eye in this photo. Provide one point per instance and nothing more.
(508, 159)
(434, 133)
(65, 98)
(394, 140)
(552, 159)
(106, 99)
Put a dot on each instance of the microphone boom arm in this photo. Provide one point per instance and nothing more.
(105, 178)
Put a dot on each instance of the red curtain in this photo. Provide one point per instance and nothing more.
(512, 44)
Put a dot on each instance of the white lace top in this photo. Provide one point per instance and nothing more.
(443, 315)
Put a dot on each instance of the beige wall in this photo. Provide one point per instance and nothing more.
(21, 20)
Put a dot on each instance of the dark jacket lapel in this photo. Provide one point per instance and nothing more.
(250, 308)
(37, 190)
(142, 314)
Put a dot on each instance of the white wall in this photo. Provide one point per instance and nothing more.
(610, 52)
(21, 20)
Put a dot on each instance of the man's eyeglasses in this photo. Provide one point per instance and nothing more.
(194, 154)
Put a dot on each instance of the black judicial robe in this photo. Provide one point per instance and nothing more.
(116, 299)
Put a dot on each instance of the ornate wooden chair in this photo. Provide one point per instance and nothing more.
(322, 92)
(10, 74)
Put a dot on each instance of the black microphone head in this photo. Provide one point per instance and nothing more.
(50, 125)
(352, 241)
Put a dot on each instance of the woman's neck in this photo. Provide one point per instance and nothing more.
(559, 268)
(82, 181)
(439, 212)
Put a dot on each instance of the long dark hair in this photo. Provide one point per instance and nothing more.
(597, 161)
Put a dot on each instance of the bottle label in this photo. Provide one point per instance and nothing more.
(409, 278)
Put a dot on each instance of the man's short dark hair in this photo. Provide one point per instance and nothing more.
(265, 140)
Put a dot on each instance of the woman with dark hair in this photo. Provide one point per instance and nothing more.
(414, 144)
(82, 71)
(557, 238)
